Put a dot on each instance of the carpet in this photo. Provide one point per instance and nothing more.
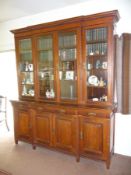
(4, 173)
(21, 159)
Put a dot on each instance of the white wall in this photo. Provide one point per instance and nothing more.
(89, 7)
(8, 81)
(123, 129)
(123, 134)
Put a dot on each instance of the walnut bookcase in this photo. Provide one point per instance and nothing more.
(66, 85)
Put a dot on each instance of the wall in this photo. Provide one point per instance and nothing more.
(90, 7)
(123, 131)
(8, 82)
(123, 134)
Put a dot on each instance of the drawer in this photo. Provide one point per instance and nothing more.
(67, 110)
(94, 113)
(23, 106)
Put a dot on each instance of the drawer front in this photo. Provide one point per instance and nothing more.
(94, 113)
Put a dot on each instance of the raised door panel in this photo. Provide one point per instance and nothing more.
(24, 125)
(65, 132)
(92, 137)
(43, 128)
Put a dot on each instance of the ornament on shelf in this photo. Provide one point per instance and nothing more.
(50, 94)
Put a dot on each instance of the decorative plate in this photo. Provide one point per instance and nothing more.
(93, 80)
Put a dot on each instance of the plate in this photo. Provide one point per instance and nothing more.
(93, 80)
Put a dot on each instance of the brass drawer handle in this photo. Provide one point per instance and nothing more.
(92, 113)
(62, 111)
(40, 108)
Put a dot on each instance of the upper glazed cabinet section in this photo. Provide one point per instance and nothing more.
(69, 60)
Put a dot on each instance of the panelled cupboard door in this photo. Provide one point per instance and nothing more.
(25, 64)
(43, 128)
(94, 137)
(65, 128)
(24, 125)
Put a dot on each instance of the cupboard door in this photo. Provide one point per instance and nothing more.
(65, 128)
(94, 137)
(24, 125)
(68, 65)
(26, 68)
(43, 125)
(45, 61)
(96, 42)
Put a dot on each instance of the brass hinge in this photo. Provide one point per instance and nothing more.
(81, 135)
(53, 130)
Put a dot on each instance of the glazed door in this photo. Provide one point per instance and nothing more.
(43, 128)
(97, 65)
(68, 74)
(45, 66)
(65, 132)
(25, 68)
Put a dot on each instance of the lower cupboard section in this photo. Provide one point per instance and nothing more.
(77, 131)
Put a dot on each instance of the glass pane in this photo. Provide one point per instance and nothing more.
(46, 67)
(96, 64)
(25, 44)
(26, 68)
(67, 65)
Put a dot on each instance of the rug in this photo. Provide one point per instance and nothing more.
(2, 172)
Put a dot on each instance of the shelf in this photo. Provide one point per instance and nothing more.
(67, 47)
(26, 71)
(68, 98)
(67, 59)
(25, 51)
(101, 87)
(99, 101)
(46, 69)
(46, 80)
(27, 84)
(96, 56)
(28, 95)
(96, 42)
(66, 70)
(45, 50)
(97, 70)
(67, 80)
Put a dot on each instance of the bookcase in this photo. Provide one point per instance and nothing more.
(66, 85)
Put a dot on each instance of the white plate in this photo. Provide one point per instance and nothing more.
(93, 80)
